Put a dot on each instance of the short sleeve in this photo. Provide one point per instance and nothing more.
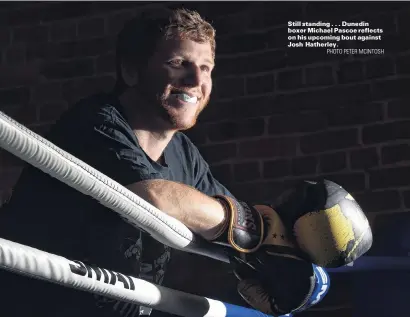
(105, 141)
(204, 180)
(208, 184)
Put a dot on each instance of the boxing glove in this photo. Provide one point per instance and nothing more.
(273, 278)
(288, 287)
(327, 223)
(246, 228)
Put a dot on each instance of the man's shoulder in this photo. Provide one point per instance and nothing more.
(183, 141)
(92, 112)
(101, 104)
(76, 127)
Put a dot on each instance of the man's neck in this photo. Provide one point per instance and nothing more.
(152, 140)
(153, 143)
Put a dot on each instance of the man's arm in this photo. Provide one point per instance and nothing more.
(191, 202)
(113, 149)
(202, 214)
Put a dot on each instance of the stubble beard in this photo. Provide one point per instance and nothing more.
(174, 121)
(159, 112)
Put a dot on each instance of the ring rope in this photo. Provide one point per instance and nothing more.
(59, 164)
(24, 260)
(38, 264)
(34, 263)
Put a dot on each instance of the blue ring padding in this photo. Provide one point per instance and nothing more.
(365, 263)
(238, 311)
(375, 263)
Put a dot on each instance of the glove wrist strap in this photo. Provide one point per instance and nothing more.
(244, 226)
(225, 223)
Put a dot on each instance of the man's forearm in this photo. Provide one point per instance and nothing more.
(202, 214)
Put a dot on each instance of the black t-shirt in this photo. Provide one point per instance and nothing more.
(48, 215)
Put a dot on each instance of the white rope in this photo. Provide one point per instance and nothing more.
(52, 160)
(24, 260)
(38, 264)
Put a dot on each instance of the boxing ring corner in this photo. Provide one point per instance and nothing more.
(21, 259)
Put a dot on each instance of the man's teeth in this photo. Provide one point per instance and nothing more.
(187, 98)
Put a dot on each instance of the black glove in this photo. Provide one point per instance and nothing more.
(280, 286)
(273, 277)
(327, 223)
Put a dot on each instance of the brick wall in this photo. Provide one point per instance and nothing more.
(277, 115)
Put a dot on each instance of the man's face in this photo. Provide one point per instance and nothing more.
(176, 83)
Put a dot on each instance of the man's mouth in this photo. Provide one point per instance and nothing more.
(185, 97)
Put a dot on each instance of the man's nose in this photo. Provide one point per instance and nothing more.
(193, 77)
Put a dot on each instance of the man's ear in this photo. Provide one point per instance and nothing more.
(129, 75)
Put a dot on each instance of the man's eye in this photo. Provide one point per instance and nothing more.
(206, 68)
(175, 62)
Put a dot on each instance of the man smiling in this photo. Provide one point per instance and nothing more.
(135, 135)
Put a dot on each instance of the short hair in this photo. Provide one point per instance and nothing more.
(139, 37)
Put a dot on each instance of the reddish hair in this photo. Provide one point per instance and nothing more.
(138, 39)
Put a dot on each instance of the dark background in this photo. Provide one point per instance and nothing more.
(277, 114)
